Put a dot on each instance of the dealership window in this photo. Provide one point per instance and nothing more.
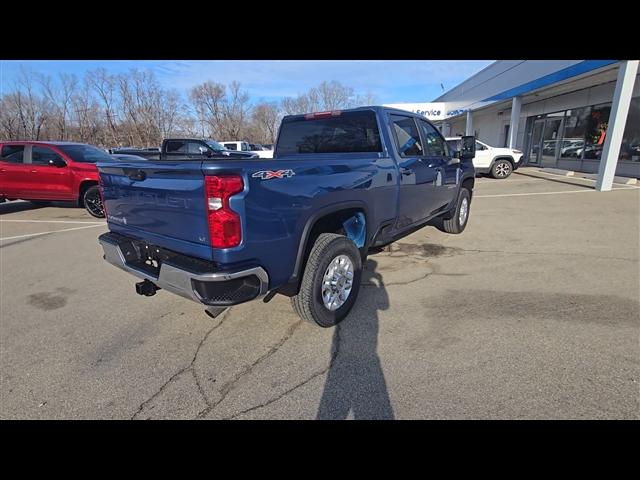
(596, 134)
(630, 149)
(575, 128)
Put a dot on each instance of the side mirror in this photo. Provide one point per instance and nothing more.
(468, 147)
(57, 162)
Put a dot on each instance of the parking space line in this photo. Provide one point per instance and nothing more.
(47, 233)
(53, 221)
(500, 182)
(546, 193)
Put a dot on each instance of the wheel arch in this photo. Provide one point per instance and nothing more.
(83, 186)
(503, 157)
(352, 217)
(469, 183)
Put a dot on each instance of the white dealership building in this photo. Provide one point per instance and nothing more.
(581, 115)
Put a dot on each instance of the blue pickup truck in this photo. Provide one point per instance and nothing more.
(226, 231)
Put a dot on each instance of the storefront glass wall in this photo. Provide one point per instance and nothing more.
(630, 149)
(575, 138)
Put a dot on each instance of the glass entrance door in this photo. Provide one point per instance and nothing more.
(550, 142)
(536, 140)
(545, 140)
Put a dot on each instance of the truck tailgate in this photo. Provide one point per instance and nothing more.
(162, 203)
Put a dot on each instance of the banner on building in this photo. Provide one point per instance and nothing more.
(431, 110)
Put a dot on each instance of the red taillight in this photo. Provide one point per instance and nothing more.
(311, 116)
(224, 224)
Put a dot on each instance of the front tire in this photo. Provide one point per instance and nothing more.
(460, 218)
(93, 202)
(501, 169)
(330, 282)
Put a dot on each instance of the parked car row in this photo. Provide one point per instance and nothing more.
(262, 151)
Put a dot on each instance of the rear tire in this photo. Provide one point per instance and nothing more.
(330, 282)
(93, 202)
(501, 169)
(458, 221)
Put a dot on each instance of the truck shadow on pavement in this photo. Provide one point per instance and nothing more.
(355, 382)
(19, 206)
(24, 205)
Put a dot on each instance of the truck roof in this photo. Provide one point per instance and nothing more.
(375, 108)
(44, 142)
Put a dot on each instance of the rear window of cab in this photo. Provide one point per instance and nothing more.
(330, 132)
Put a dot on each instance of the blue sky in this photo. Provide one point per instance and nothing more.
(390, 81)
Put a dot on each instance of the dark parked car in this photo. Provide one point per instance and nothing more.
(187, 149)
(126, 157)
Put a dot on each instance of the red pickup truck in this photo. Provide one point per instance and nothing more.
(48, 171)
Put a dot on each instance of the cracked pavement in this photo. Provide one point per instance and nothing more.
(532, 312)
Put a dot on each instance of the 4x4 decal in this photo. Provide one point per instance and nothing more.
(267, 174)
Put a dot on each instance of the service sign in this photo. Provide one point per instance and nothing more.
(432, 110)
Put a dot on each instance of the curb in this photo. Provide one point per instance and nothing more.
(591, 176)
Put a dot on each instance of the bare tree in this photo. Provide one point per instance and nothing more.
(235, 111)
(30, 108)
(9, 118)
(333, 95)
(104, 85)
(207, 100)
(58, 98)
(366, 99)
(326, 96)
(133, 109)
(86, 116)
(264, 122)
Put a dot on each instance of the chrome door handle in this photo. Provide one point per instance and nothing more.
(406, 171)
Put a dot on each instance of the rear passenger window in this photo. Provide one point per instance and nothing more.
(434, 143)
(407, 136)
(42, 155)
(230, 146)
(176, 146)
(12, 153)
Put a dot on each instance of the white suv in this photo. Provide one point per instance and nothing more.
(499, 162)
(246, 147)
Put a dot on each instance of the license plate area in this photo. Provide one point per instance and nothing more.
(144, 257)
(148, 258)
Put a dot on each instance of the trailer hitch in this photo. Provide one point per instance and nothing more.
(146, 288)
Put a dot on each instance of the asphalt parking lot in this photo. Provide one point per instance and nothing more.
(532, 312)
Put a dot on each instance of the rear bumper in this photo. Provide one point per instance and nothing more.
(188, 277)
